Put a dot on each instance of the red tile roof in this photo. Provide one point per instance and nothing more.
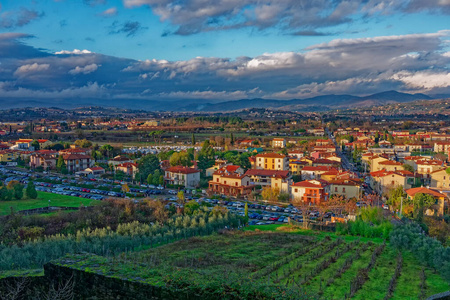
(271, 155)
(271, 173)
(318, 184)
(182, 170)
(423, 190)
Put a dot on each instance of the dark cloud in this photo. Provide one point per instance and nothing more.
(19, 18)
(130, 28)
(414, 63)
(289, 15)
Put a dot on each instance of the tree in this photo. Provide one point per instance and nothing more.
(125, 188)
(150, 179)
(160, 213)
(396, 196)
(61, 165)
(180, 196)
(35, 144)
(83, 143)
(270, 194)
(180, 159)
(161, 180)
(31, 192)
(421, 202)
(409, 168)
(191, 207)
(193, 139)
(148, 165)
(156, 176)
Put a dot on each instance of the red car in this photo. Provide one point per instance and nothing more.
(273, 219)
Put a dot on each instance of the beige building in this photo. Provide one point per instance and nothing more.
(348, 188)
(230, 181)
(440, 179)
(184, 176)
(383, 181)
(390, 165)
(278, 143)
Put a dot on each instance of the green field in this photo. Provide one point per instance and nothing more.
(247, 264)
(42, 201)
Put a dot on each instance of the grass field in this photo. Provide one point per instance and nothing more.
(42, 201)
(245, 262)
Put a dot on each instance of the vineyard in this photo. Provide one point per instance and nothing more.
(257, 265)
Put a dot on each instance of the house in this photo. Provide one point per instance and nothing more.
(119, 159)
(77, 162)
(348, 188)
(320, 142)
(325, 162)
(374, 161)
(230, 181)
(384, 144)
(47, 161)
(297, 154)
(440, 179)
(309, 172)
(83, 151)
(310, 191)
(272, 161)
(296, 166)
(184, 176)
(382, 181)
(95, 171)
(438, 208)
(278, 143)
(7, 155)
(441, 147)
(390, 165)
(264, 177)
(128, 168)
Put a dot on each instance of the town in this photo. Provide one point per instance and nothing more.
(271, 168)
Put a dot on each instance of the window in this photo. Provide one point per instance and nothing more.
(343, 190)
(236, 184)
(295, 190)
(335, 189)
(217, 179)
(225, 182)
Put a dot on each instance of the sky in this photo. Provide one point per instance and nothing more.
(219, 50)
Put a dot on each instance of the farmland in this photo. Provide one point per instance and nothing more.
(261, 264)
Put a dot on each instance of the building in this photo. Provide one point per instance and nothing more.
(348, 188)
(296, 166)
(390, 165)
(119, 159)
(184, 176)
(46, 161)
(77, 162)
(278, 143)
(272, 161)
(230, 181)
(95, 171)
(382, 181)
(438, 208)
(441, 147)
(310, 172)
(264, 177)
(440, 179)
(128, 168)
(310, 191)
(297, 154)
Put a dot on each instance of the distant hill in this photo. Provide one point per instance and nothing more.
(318, 103)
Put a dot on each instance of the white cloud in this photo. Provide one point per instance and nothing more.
(109, 12)
(85, 70)
(31, 68)
(424, 80)
(75, 51)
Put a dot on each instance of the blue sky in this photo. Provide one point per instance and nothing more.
(222, 49)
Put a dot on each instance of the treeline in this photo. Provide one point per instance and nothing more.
(105, 241)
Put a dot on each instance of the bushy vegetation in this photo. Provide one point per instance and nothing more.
(105, 241)
(371, 223)
(427, 249)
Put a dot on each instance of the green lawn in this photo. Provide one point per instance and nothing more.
(42, 201)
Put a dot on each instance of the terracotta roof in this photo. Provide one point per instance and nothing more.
(390, 163)
(96, 168)
(75, 156)
(429, 162)
(423, 190)
(318, 168)
(127, 165)
(271, 173)
(271, 155)
(350, 182)
(182, 170)
(318, 184)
